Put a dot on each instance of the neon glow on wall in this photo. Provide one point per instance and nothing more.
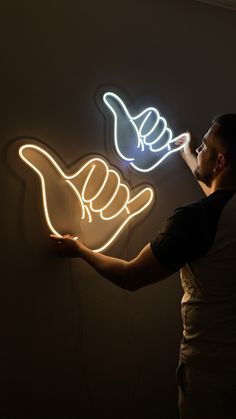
(143, 140)
(98, 190)
(95, 199)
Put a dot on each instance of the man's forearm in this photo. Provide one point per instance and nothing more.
(191, 161)
(114, 269)
(144, 269)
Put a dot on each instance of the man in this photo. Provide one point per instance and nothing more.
(199, 239)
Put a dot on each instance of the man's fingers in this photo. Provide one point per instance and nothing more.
(66, 245)
(67, 238)
(182, 139)
(55, 238)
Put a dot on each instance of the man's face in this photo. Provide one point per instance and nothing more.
(207, 156)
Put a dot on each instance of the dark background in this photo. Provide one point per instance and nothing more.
(73, 344)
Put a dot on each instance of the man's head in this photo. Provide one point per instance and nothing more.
(217, 153)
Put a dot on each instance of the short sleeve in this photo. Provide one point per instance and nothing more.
(181, 238)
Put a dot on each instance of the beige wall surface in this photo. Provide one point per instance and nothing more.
(230, 4)
(74, 345)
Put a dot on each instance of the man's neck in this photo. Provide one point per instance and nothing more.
(228, 182)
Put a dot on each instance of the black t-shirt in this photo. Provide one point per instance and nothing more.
(189, 233)
(200, 240)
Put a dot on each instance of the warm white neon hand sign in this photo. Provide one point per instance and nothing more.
(144, 140)
(100, 202)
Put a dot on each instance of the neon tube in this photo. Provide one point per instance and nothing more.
(148, 130)
(85, 203)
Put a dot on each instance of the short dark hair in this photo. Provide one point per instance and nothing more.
(227, 134)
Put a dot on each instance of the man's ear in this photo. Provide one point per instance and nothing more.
(220, 163)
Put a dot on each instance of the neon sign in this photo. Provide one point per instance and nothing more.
(94, 202)
(143, 140)
(99, 204)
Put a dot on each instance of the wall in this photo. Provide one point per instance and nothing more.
(73, 344)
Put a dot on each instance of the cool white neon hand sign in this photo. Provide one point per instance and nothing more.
(144, 140)
(92, 203)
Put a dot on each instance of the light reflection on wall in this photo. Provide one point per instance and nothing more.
(94, 202)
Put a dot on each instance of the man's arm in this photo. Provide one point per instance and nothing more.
(189, 155)
(139, 272)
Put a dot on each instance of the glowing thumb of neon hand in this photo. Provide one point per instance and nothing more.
(93, 202)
